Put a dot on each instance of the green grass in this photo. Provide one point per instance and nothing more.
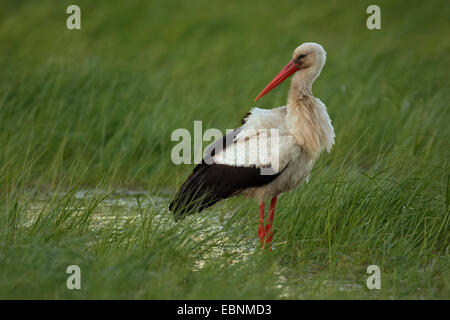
(94, 110)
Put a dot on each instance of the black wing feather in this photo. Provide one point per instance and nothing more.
(210, 183)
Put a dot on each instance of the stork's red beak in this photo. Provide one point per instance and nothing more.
(288, 70)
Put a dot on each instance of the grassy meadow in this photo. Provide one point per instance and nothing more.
(86, 175)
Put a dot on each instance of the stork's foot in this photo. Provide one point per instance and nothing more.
(261, 235)
(265, 232)
(268, 235)
(265, 236)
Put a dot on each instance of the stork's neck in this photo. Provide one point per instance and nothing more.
(301, 85)
(307, 117)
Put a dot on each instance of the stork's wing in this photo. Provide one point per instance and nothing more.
(249, 156)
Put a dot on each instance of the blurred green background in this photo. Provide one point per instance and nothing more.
(93, 109)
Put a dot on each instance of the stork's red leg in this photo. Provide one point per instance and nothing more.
(261, 230)
(268, 228)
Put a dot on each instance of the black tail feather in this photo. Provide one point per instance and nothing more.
(194, 195)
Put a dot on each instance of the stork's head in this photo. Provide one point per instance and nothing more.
(308, 60)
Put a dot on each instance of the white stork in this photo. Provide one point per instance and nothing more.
(304, 130)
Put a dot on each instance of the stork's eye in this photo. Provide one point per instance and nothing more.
(299, 58)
